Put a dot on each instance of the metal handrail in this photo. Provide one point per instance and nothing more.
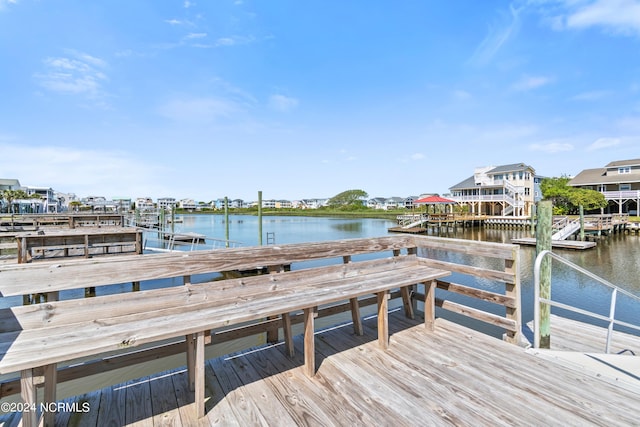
(614, 294)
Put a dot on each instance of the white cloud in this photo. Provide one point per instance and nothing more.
(496, 38)
(196, 35)
(591, 96)
(84, 172)
(417, 156)
(5, 3)
(234, 40)
(601, 143)
(79, 74)
(203, 110)
(527, 83)
(613, 16)
(552, 147)
(618, 16)
(282, 103)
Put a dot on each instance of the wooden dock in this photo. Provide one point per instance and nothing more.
(31, 222)
(452, 376)
(421, 223)
(557, 244)
(85, 242)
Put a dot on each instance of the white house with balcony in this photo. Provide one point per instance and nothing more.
(508, 190)
(618, 181)
(167, 203)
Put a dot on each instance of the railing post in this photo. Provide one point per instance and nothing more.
(513, 290)
(612, 315)
(543, 242)
(259, 218)
(581, 223)
(226, 221)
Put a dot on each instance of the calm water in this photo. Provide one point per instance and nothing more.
(615, 259)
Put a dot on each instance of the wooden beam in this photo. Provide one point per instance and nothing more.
(50, 385)
(288, 334)
(429, 305)
(199, 374)
(383, 319)
(28, 394)
(309, 345)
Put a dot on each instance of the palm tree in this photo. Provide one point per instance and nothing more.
(10, 195)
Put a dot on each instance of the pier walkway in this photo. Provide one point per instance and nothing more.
(451, 376)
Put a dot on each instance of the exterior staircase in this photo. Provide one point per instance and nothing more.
(565, 229)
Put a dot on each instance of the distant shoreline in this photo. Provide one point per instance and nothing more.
(390, 215)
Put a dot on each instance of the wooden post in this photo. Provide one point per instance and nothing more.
(28, 394)
(50, 384)
(199, 372)
(581, 223)
(383, 319)
(430, 304)
(533, 220)
(288, 334)
(513, 290)
(259, 218)
(309, 345)
(226, 221)
(543, 242)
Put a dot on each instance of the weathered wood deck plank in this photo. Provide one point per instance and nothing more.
(241, 403)
(138, 411)
(451, 376)
(163, 400)
(296, 387)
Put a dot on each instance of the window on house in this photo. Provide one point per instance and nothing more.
(625, 187)
(626, 169)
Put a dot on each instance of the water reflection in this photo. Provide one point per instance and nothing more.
(352, 227)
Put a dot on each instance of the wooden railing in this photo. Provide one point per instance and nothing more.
(484, 262)
(67, 220)
(473, 264)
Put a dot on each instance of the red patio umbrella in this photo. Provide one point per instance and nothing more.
(434, 200)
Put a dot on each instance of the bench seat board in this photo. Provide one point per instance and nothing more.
(42, 346)
(51, 276)
(111, 306)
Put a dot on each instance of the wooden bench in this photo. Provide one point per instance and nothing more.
(34, 339)
(83, 241)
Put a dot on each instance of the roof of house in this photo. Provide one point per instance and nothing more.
(617, 163)
(9, 182)
(599, 175)
(514, 167)
(510, 168)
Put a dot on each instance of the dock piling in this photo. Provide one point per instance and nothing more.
(543, 242)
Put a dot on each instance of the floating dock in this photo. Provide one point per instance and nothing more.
(557, 244)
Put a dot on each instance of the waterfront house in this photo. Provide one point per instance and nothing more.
(393, 203)
(167, 203)
(408, 202)
(311, 203)
(507, 190)
(9, 184)
(376, 203)
(44, 198)
(188, 204)
(618, 181)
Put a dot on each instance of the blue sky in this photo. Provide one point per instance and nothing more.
(305, 99)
